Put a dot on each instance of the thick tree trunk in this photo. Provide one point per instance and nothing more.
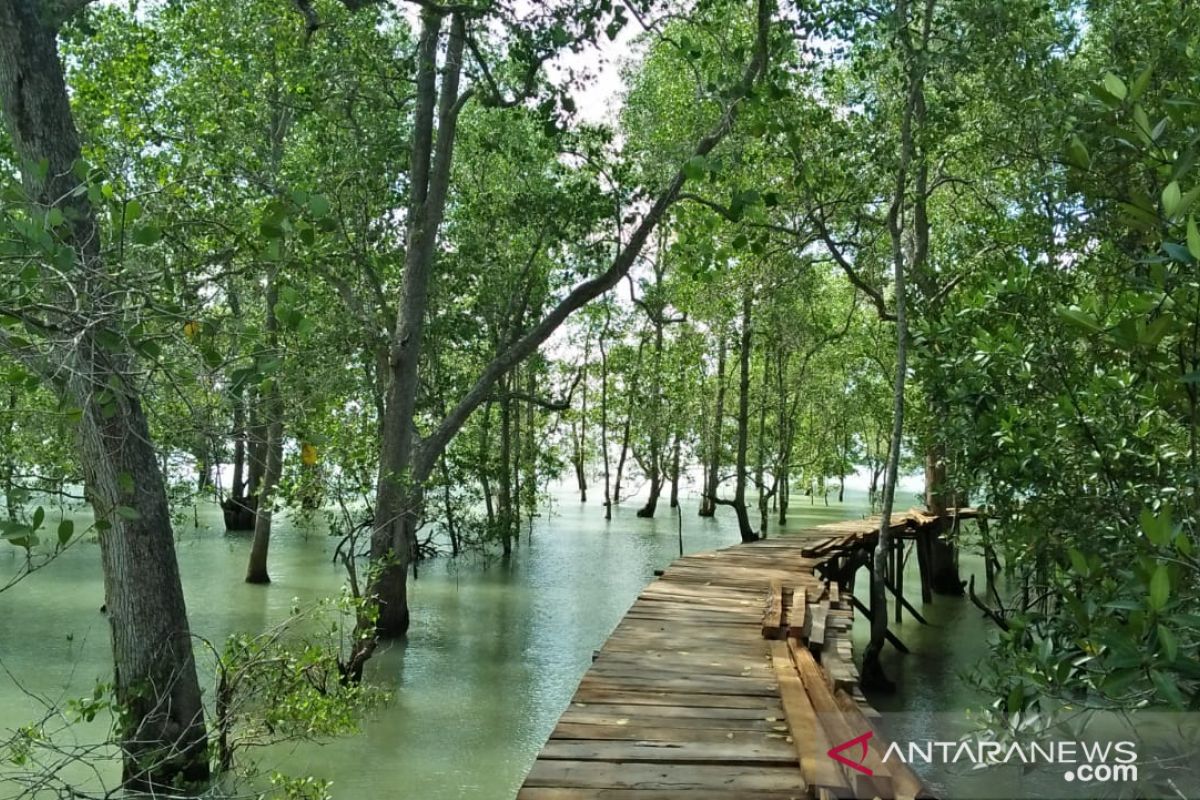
(943, 561)
(398, 490)
(708, 499)
(161, 728)
(256, 570)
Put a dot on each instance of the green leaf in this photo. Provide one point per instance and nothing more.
(1078, 561)
(1167, 688)
(131, 514)
(1016, 699)
(1193, 238)
(1169, 642)
(66, 529)
(146, 234)
(1160, 588)
(133, 210)
(1170, 198)
(1115, 86)
(1077, 153)
(1157, 527)
(1140, 83)
(39, 516)
(695, 168)
(1080, 318)
(319, 205)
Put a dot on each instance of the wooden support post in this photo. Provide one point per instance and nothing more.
(923, 566)
(891, 637)
(898, 573)
(900, 600)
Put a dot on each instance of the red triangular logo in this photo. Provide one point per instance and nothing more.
(836, 753)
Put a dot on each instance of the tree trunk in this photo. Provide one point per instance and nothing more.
(447, 499)
(708, 500)
(505, 505)
(256, 570)
(604, 407)
(272, 403)
(675, 453)
(943, 553)
(655, 308)
(627, 430)
(760, 467)
(398, 492)
(161, 727)
(238, 489)
(872, 669)
(743, 421)
(581, 440)
(484, 466)
(8, 466)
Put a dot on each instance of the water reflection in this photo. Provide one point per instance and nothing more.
(494, 655)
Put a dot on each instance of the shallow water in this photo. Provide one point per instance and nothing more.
(494, 654)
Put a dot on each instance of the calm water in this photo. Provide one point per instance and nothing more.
(495, 651)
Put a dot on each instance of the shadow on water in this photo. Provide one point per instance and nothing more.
(932, 695)
(494, 655)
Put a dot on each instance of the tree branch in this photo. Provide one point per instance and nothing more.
(436, 442)
(836, 251)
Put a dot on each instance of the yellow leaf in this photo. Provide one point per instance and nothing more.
(191, 328)
(308, 454)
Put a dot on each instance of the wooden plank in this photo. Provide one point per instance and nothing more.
(816, 635)
(664, 777)
(661, 715)
(773, 614)
(839, 728)
(652, 794)
(798, 617)
(652, 729)
(808, 736)
(904, 780)
(734, 752)
(633, 697)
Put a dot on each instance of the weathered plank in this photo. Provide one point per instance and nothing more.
(772, 622)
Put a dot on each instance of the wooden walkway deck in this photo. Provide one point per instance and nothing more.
(731, 676)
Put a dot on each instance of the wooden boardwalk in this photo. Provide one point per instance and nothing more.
(731, 676)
